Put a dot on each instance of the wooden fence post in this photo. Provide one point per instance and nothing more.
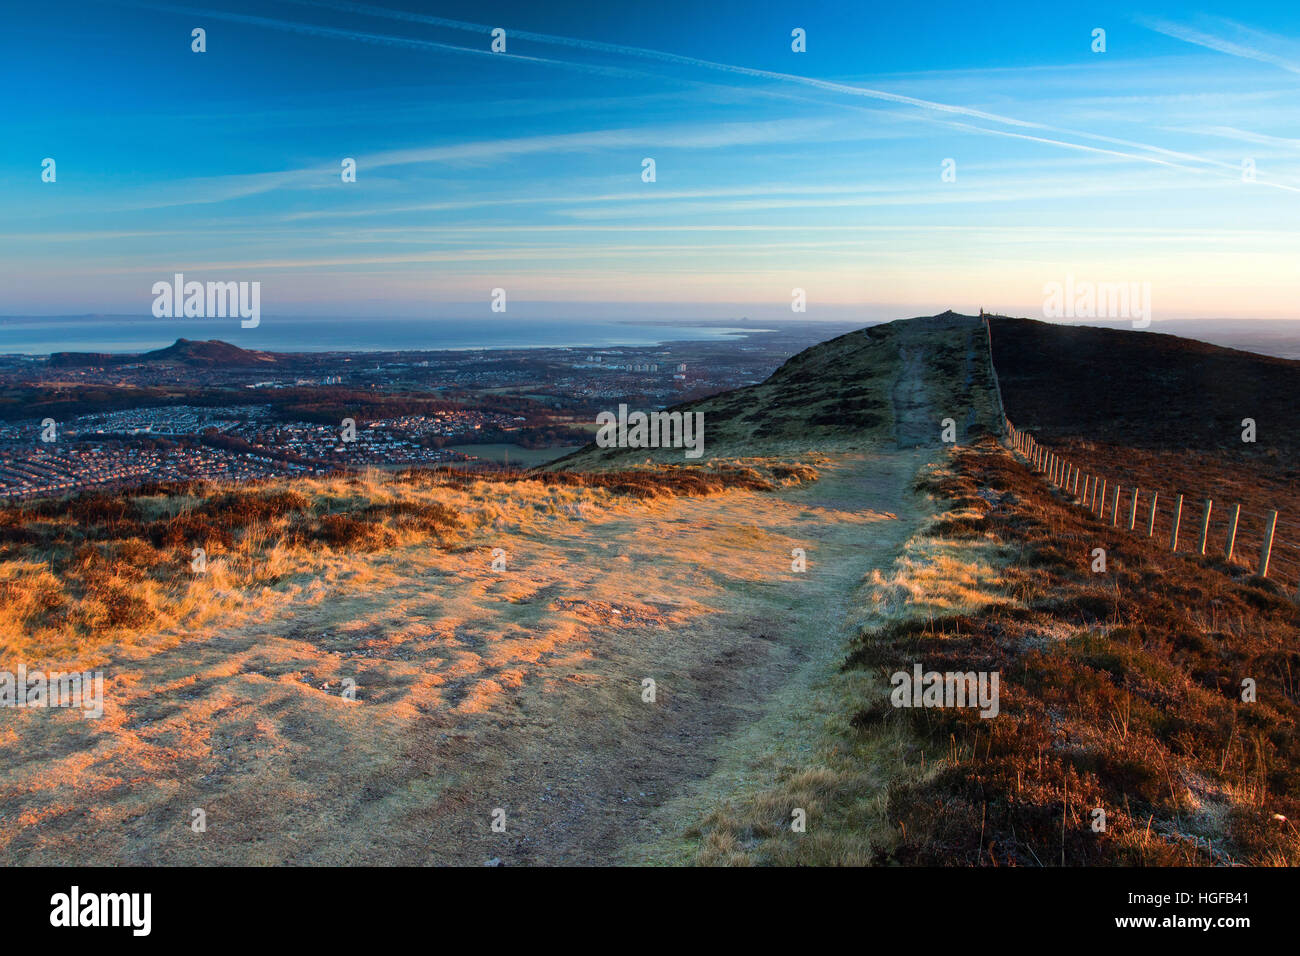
(1267, 548)
(1133, 512)
(1178, 517)
(1087, 483)
(1101, 504)
(1076, 481)
(1114, 508)
(1205, 523)
(1151, 524)
(1232, 533)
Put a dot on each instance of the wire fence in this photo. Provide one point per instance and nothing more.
(1185, 524)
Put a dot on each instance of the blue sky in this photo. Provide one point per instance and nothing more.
(774, 169)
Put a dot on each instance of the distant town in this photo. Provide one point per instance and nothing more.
(209, 411)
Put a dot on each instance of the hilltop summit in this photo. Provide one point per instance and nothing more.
(210, 352)
(181, 352)
(891, 384)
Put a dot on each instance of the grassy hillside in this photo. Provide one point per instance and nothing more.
(1121, 689)
(477, 687)
(886, 385)
(77, 573)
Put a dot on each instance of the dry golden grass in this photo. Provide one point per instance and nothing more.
(83, 572)
(1121, 691)
(476, 689)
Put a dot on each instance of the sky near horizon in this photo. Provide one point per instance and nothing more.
(820, 170)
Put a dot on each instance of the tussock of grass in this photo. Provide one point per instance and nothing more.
(653, 480)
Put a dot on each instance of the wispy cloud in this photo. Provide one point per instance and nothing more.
(847, 89)
(311, 29)
(479, 164)
(1241, 136)
(1249, 43)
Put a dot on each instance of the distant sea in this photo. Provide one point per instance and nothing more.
(42, 335)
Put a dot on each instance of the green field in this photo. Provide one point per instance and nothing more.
(514, 454)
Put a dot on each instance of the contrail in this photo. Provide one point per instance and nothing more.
(1112, 152)
(381, 39)
(599, 46)
(345, 6)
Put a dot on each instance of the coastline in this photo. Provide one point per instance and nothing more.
(41, 337)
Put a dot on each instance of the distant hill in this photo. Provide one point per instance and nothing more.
(887, 384)
(1141, 388)
(182, 352)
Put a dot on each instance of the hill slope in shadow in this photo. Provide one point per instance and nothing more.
(1143, 389)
